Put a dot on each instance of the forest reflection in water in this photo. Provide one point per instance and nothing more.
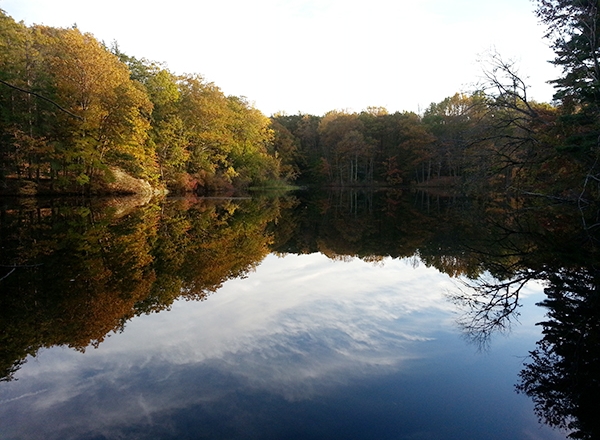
(72, 273)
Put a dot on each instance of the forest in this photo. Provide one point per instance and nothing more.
(77, 116)
(493, 139)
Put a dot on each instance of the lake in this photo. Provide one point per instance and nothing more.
(346, 314)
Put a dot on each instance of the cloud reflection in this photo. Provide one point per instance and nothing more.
(297, 328)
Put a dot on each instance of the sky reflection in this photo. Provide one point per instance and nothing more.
(304, 347)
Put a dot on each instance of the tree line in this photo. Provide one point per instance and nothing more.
(494, 138)
(479, 142)
(73, 111)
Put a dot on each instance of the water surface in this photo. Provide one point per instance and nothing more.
(259, 342)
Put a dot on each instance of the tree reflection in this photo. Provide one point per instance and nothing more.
(490, 305)
(72, 274)
(562, 375)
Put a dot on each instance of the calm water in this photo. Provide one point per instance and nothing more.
(268, 318)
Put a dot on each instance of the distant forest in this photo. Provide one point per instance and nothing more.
(76, 116)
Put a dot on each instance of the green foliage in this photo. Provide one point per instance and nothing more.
(286, 146)
(572, 28)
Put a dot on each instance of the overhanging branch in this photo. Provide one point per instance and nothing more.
(29, 92)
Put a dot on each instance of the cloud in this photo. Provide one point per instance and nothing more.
(299, 327)
(302, 328)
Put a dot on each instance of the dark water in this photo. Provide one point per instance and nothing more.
(347, 315)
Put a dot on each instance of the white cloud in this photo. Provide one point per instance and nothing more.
(355, 313)
(300, 327)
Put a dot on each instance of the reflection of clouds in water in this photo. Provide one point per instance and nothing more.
(22, 396)
(371, 306)
(298, 327)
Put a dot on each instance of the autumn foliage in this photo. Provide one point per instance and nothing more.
(73, 113)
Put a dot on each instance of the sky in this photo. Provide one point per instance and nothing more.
(313, 56)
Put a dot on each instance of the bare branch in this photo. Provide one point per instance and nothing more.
(29, 92)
